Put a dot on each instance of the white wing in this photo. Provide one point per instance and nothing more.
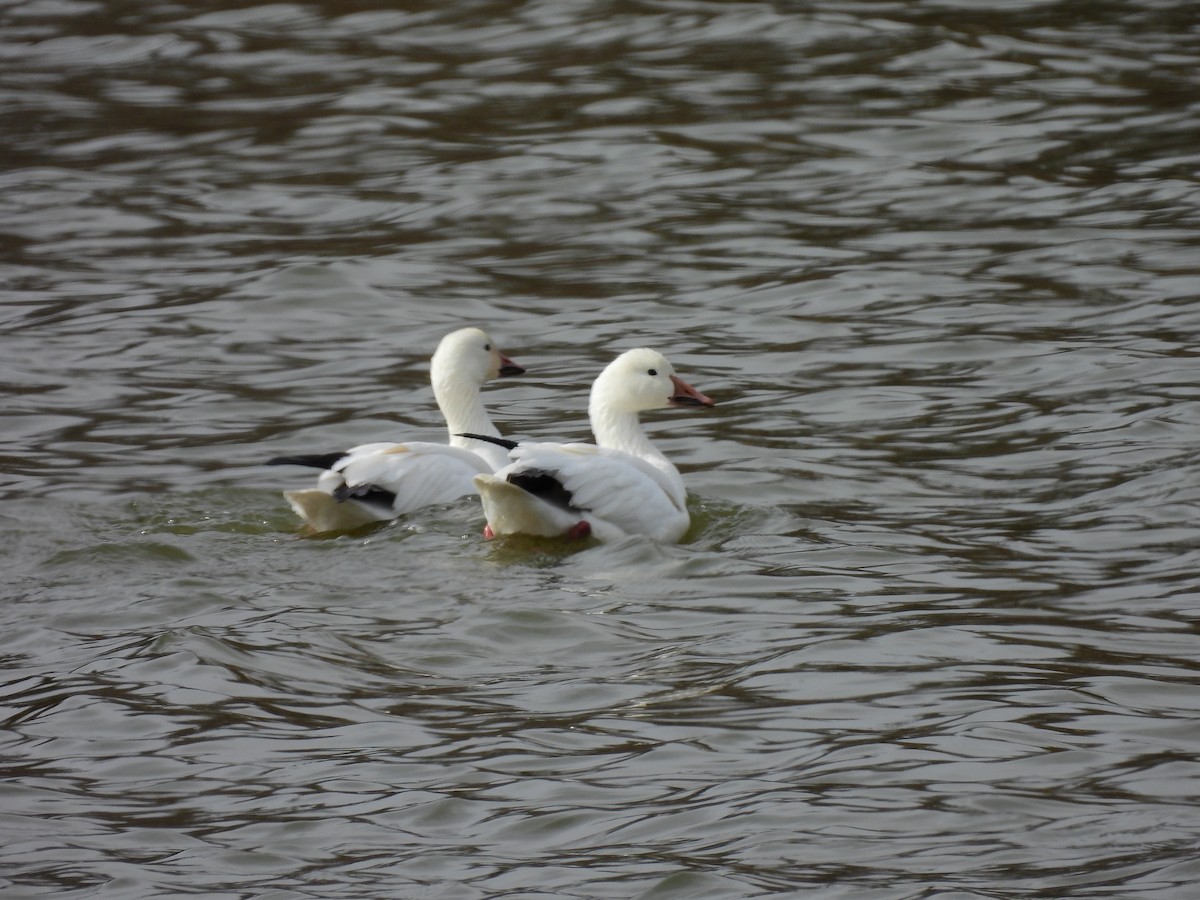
(610, 489)
(417, 473)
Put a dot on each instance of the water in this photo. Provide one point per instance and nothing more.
(933, 633)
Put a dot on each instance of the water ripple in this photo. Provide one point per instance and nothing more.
(933, 628)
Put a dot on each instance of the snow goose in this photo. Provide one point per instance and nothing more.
(622, 485)
(377, 482)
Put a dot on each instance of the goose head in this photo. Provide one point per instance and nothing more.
(642, 379)
(469, 356)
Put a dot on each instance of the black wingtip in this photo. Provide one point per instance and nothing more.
(544, 484)
(365, 493)
(312, 460)
(501, 442)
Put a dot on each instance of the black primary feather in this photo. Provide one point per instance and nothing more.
(312, 460)
(544, 484)
(365, 493)
(499, 441)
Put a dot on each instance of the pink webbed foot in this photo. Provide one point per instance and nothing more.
(579, 531)
(488, 534)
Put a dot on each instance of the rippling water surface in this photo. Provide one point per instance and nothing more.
(933, 632)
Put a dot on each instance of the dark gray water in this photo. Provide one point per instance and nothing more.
(933, 633)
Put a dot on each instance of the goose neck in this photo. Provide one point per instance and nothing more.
(462, 407)
(621, 430)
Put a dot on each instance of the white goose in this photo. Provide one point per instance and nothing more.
(621, 487)
(377, 482)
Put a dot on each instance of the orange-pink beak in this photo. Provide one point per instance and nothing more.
(686, 395)
(509, 368)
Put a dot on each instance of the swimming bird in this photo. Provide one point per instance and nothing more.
(380, 481)
(621, 485)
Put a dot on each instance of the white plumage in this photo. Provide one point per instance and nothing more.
(622, 485)
(379, 481)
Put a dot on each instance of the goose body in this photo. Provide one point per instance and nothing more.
(621, 485)
(377, 482)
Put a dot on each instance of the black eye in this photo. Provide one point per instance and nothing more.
(652, 371)
(487, 347)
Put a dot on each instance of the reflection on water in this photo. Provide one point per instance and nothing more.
(933, 630)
